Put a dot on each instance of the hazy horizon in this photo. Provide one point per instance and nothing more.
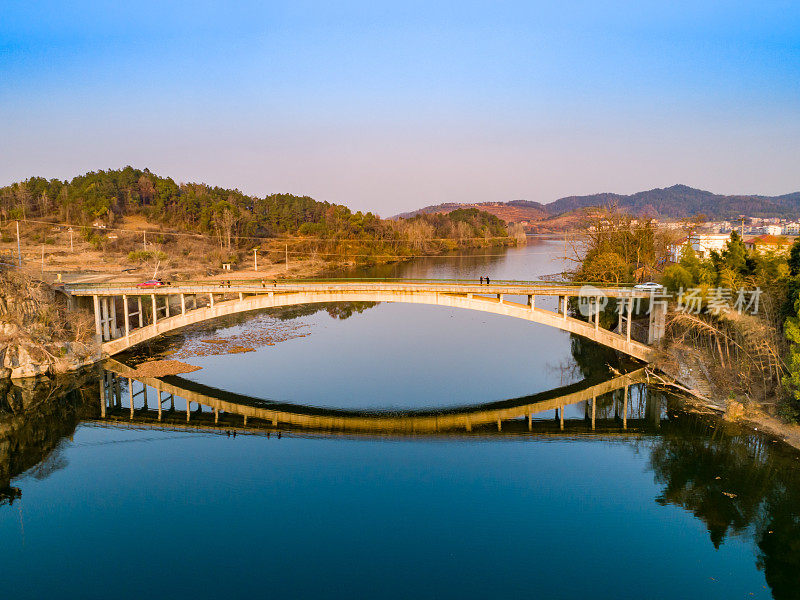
(392, 107)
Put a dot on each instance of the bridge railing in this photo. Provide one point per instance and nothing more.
(256, 281)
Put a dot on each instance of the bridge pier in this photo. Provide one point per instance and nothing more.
(97, 326)
(630, 318)
(657, 322)
(597, 314)
(155, 310)
(125, 315)
(113, 306)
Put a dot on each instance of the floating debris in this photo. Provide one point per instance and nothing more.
(162, 368)
(256, 333)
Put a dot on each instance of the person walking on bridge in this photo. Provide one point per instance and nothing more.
(487, 280)
(481, 280)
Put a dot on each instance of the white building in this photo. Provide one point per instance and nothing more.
(791, 228)
(702, 244)
(773, 229)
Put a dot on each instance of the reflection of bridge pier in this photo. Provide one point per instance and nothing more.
(207, 407)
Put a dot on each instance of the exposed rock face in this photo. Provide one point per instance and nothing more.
(18, 361)
(39, 333)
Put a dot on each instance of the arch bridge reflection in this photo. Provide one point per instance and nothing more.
(614, 406)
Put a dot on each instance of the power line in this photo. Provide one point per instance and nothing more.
(264, 238)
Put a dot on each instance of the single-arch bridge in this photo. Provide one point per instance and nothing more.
(147, 313)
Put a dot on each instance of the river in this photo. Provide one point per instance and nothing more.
(627, 496)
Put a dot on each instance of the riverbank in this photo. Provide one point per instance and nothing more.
(38, 334)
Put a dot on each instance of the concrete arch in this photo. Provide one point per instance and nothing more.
(469, 301)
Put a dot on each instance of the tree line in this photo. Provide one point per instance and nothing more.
(104, 197)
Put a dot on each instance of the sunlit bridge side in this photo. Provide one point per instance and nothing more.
(126, 315)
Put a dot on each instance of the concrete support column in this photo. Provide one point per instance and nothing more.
(594, 410)
(113, 305)
(166, 304)
(531, 301)
(216, 416)
(657, 325)
(155, 308)
(105, 319)
(188, 412)
(630, 318)
(125, 312)
(141, 314)
(530, 422)
(499, 425)
(561, 417)
(97, 327)
(565, 307)
(241, 296)
(144, 396)
(596, 314)
(211, 300)
(183, 304)
(500, 298)
(159, 405)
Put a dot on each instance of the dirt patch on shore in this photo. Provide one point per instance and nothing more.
(162, 368)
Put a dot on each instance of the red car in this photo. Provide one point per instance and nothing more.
(151, 283)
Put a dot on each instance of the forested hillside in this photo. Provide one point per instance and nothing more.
(104, 197)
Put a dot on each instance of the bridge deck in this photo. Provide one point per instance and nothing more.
(260, 286)
(212, 300)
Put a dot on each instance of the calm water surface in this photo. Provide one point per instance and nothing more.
(653, 502)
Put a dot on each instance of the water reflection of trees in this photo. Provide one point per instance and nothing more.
(34, 419)
(738, 483)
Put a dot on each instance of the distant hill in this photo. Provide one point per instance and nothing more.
(676, 202)
(515, 211)
(682, 201)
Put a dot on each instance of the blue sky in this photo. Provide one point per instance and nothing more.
(390, 106)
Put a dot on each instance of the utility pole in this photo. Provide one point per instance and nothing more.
(255, 258)
(71, 249)
(42, 260)
(287, 257)
(19, 251)
(144, 241)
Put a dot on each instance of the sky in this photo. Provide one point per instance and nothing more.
(390, 106)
